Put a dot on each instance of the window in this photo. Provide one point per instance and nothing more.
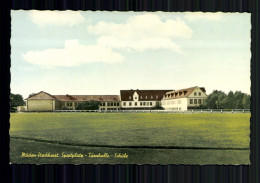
(156, 96)
(195, 93)
(191, 101)
(130, 103)
(146, 97)
(124, 103)
(199, 94)
(108, 104)
(70, 104)
(195, 101)
(117, 103)
(135, 97)
(141, 97)
(75, 104)
(129, 97)
(199, 101)
(151, 103)
(141, 103)
(112, 104)
(151, 97)
(147, 103)
(135, 103)
(203, 100)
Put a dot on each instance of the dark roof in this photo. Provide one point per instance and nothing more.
(182, 93)
(81, 98)
(144, 95)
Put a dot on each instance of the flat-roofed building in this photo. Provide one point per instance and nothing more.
(141, 99)
(184, 99)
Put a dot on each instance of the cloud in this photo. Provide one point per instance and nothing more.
(44, 18)
(194, 16)
(73, 54)
(142, 32)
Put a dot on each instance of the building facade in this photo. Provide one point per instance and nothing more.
(43, 101)
(179, 100)
(141, 99)
(184, 99)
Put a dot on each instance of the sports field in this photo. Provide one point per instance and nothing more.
(145, 138)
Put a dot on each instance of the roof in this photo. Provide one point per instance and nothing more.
(144, 95)
(41, 96)
(81, 98)
(182, 92)
(46, 96)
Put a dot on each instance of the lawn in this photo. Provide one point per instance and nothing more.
(163, 138)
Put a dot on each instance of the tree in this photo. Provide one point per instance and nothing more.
(16, 100)
(88, 105)
(246, 101)
(219, 100)
(238, 98)
(32, 94)
(230, 100)
(216, 100)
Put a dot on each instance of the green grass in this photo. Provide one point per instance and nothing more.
(79, 130)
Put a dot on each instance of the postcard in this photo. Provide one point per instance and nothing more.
(96, 87)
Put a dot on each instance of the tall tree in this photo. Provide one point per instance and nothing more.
(246, 101)
(216, 100)
(16, 100)
(230, 100)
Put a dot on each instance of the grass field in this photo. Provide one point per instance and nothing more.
(154, 138)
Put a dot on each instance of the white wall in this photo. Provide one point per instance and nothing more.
(179, 104)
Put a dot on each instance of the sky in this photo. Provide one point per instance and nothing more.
(101, 53)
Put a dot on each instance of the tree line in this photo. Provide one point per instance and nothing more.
(233, 100)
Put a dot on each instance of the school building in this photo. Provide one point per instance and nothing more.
(180, 100)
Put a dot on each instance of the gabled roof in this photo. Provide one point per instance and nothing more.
(41, 96)
(81, 98)
(182, 93)
(144, 95)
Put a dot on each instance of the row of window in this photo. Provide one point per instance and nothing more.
(146, 97)
(179, 94)
(175, 109)
(197, 101)
(70, 104)
(140, 103)
(171, 102)
(108, 108)
(195, 93)
(109, 104)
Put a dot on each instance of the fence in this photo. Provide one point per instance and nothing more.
(162, 111)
